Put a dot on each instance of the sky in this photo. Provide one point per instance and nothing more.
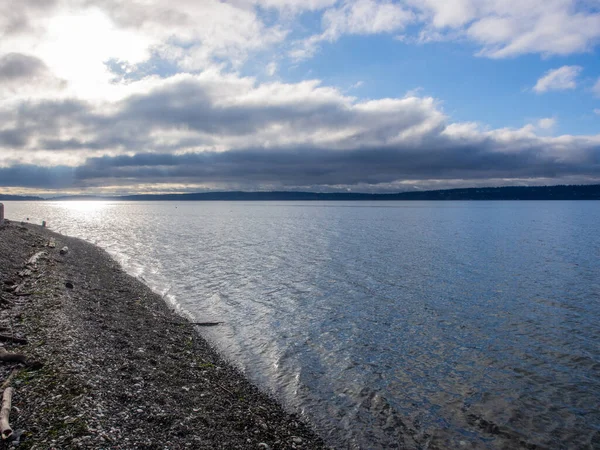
(157, 96)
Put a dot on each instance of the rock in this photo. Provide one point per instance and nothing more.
(64, 250)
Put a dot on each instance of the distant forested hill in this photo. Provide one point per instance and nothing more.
(586, 192)
(581, 192)
(9, 198)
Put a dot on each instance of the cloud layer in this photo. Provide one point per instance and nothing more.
(217, 130)
(148, 96)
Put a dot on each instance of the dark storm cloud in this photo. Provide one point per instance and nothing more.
(304, 166)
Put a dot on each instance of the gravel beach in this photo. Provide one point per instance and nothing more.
(110, 365)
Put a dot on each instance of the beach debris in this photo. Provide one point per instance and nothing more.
(264, 445)
(25, 273)
(43, 224)
(12, 357)
(6, 356)
(64, 250)
(206, 324)
(34, 259)
(52, 243)
(5, 427)
(69, 285)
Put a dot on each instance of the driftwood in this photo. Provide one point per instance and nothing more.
(8, 381)
(34, 259)
(198, 324)
(12, 357)
(5, 413)
(19, 358)
(6, 338)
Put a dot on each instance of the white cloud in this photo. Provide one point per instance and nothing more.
(75, 38)
(547, 123)
(596, 88)
(560, 79)
(80, 88)
(271, 68)
(505, 28)
(361, 17)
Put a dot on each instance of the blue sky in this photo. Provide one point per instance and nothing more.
(327, 95)
(497, 92)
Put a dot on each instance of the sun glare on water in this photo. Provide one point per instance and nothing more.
(86, 206)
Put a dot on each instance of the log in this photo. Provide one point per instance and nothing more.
(8, 381)
(198, 324)
(5, 413)
(6, 338)
(12, 357)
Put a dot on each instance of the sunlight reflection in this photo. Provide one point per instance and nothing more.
(87, 206)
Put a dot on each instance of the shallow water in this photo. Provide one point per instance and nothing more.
(386, 324)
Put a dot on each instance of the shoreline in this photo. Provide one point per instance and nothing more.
(120, 369)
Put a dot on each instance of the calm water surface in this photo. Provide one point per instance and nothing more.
(396, 324)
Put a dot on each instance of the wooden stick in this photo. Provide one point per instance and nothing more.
(5, 413)
(7, 382)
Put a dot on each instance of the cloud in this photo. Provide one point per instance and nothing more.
(499, 28)
(596, 88)
(15, 66)
(25, 75)
(271, 68)
(106, 93)
(560, 79)
(223, 130)
(505, 28)
(361, 17)
(547, 123)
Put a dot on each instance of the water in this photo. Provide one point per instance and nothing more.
(402, 324)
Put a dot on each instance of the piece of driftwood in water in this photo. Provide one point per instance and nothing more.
(5, 413)
(12, 357)
(199, 324)
(7, 338)
(206, 324)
